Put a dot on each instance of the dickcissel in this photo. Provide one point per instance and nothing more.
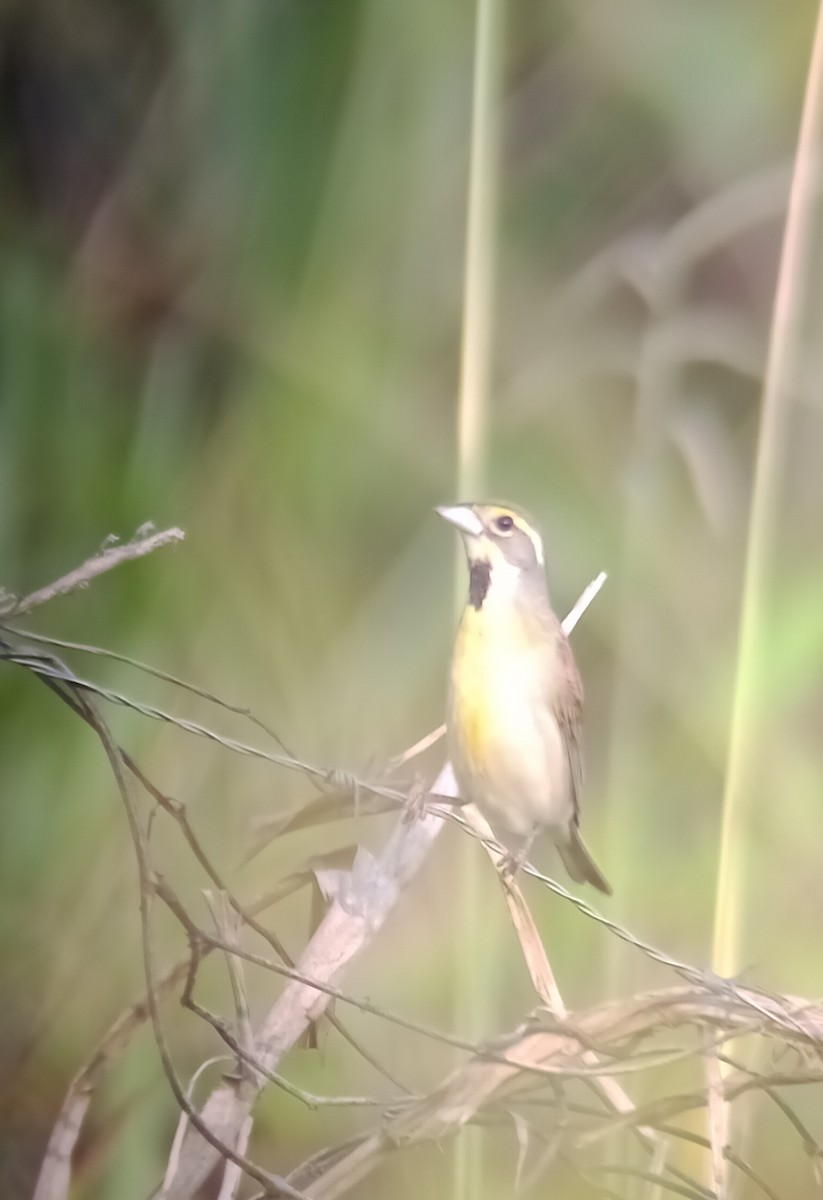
(516, 701)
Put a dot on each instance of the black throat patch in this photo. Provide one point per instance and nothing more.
(480, 574)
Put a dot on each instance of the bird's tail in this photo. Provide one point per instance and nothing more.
(580, 864)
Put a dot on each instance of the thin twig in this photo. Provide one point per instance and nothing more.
(155, 672)
(503, 1073)
(349, 924)
(273, 1183)
(106, 560)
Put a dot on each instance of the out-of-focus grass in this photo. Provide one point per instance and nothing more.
(298, 184)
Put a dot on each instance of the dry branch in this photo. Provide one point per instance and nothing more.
(109, 557)
(54, 1179)
(511, 1079)
(501, 1072)
(353, 919)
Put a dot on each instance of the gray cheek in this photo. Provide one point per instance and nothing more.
(517, 549)
(534, 589)
(524, 556)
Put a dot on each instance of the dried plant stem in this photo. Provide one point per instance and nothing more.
(511, 1070)
(109, 557)
(557, 1050)
(350, 923)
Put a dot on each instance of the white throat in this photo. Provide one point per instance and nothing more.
(504, 582)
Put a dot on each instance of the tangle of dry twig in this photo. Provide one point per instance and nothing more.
(536, 1078)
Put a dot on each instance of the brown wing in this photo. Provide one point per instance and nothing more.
(567, 703)
(567, 706)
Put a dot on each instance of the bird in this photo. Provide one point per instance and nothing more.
(515, 706)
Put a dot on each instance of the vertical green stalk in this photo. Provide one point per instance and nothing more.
(478, 285)
(750, 712)
(476, 949)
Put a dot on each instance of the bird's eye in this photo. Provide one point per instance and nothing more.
(505, 524)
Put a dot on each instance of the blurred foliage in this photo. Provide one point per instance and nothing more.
(232, 241)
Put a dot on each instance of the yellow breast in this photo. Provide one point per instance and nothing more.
(472, 715)
(492, 685)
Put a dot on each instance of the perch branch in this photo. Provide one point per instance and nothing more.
(106, 560)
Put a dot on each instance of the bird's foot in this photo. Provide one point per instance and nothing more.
(510, 864)
(416, 798)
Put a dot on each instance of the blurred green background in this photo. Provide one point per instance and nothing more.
(230, 300)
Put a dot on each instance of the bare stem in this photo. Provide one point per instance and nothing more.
(111, 556)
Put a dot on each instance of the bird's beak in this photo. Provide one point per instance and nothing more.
(463, 517)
